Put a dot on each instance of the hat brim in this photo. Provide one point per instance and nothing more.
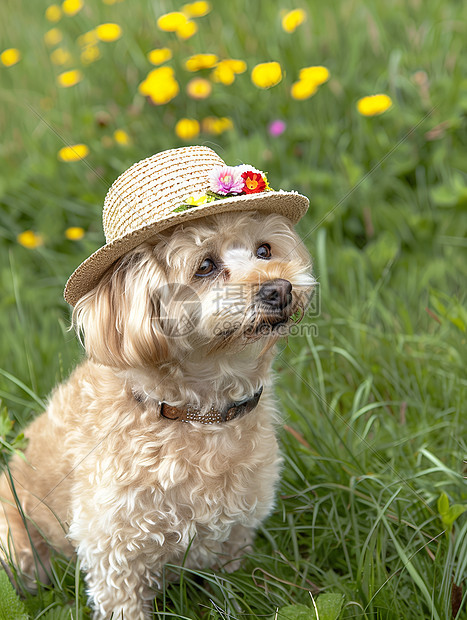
(289, 204)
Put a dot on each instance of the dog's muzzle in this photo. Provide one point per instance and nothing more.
(275, 294)
(273, 303)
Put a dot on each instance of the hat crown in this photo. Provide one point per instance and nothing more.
(151, 189)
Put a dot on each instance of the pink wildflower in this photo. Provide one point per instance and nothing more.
(226, 180)
(276, 128)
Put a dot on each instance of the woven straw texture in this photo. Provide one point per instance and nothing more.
(141, 203)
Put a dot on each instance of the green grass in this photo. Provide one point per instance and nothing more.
(374, 395)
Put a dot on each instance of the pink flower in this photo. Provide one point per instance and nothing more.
(276, 128)
(226, 180)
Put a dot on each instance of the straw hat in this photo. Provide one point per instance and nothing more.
(155, 194)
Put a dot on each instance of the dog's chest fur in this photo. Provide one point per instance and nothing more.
(155, 486)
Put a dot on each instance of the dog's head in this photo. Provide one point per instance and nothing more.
(221, 282)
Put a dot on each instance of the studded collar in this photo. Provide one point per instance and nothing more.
(191, 413)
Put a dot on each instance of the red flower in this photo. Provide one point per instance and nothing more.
(254, 182)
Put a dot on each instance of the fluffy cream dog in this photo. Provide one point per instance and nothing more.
(161, 448)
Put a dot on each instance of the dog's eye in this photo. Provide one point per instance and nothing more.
(264, 251)
(206, 268)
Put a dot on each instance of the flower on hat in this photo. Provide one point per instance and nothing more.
(254, 182)
(226, 180)
(195, 200)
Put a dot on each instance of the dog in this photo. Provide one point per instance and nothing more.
(161, 446)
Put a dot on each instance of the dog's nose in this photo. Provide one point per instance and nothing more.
(276, 293)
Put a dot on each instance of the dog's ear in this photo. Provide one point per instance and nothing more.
(117, 319)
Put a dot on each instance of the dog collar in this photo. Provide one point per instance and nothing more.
(190, 413)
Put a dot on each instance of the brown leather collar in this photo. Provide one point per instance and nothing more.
(212, 416)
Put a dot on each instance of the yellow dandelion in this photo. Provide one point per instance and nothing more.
(266, 74)
(74, 233)
(196, 9)
(108, 32)
(74, 152)
(187, 30)
(121, 137)
(171, 22)
(293, 19)
(88, 38)
(29, 239)
(60, 56)
(71, 7)
(10, 57)
(374, 105)
(90, 54)
(69, 78)
(303, 90)
(160, 85)
(53, 13)
(216, 126)
(237, 66)
(223, 74)
(201, 61)
(199, 88)
(53, 36)
(187, 128)
(317, 75)
(159, 55)
(225, 70)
